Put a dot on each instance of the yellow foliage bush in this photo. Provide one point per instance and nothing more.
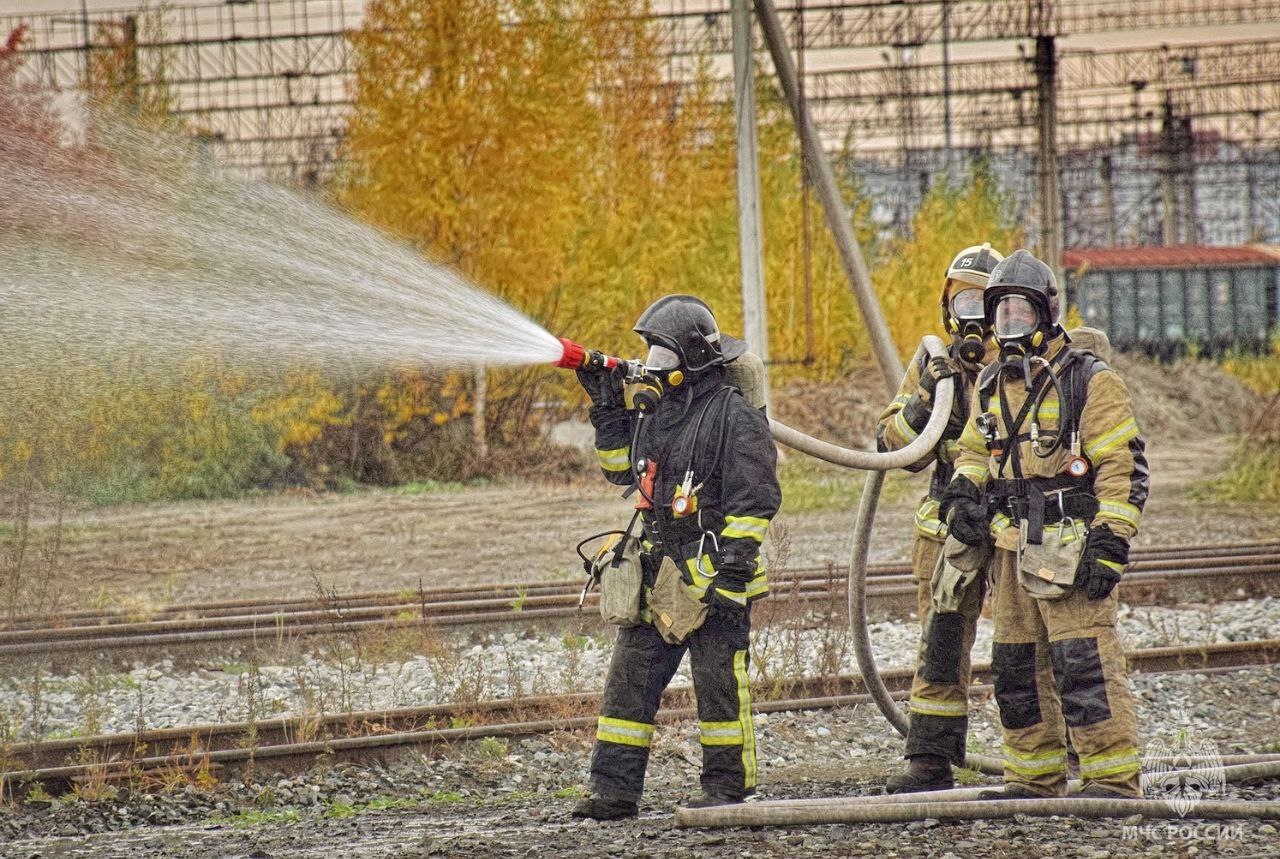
(910, 277)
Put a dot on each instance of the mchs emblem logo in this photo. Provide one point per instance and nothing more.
(1183, 773)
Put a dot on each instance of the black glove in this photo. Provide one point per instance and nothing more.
(942, 367)
(961, 509)
(604, 387)
(1103, 560)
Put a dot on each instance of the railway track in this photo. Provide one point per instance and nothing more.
(1155, 576)
(287, 744)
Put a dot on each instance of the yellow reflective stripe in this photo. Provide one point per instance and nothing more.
(932, 707)
(1119, 568)
(904, 429)
(1121, 511)
(744, 719)
(927, 521)
(1050, 408)
(699, 581)
(977, 473)
(618, 459)
(720, 733)
(747, 527)
(1125, 760)
(736, 595)
(1045, 763)
(1127, 429)
(757, 587)
(950, 450)
(623, 732)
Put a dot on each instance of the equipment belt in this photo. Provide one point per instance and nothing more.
(1035, 501)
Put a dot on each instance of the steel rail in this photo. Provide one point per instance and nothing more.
(894, 594)
(1143, 559)
(129, 755)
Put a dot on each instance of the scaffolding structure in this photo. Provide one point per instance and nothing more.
(1123, 145)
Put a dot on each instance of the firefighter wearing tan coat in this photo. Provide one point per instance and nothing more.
(939, 692)
(1052, 467)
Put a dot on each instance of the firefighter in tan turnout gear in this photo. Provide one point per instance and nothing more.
(1052, 468)
(939, 692)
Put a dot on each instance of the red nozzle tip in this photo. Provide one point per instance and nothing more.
(574, 355)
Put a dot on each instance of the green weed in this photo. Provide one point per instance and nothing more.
(249, 817)
(446, 796)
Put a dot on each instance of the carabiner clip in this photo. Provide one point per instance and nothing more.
(702, 541)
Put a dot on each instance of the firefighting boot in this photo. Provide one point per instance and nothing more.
(712, 799)
(605, 808)
(924, 772)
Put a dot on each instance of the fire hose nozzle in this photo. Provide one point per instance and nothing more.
(578, 357)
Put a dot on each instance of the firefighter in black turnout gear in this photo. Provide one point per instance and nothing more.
(939, 702)
(705, 444)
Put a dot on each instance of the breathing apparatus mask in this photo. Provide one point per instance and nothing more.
(967, 325)
(963, 314)
(659, 374)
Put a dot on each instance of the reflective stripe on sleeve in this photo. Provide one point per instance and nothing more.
(745, 527)
(976, 473)
(1121, 434)
(1120, 511)
(904, 429)
(618, 459)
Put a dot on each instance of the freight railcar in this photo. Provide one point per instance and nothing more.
(1166, 301)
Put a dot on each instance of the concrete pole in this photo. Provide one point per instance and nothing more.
(833, 207)
(1107, 174)
(1046, 69)
(1168, 170)
(946, 86)
(750, 234)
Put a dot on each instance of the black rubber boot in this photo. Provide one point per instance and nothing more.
(924, 772)
(711, 800)
(603, 808)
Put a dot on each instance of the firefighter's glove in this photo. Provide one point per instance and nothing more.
(725, 599)
(1103, 560)
(604, 387)
(961, 509)
(942, 367)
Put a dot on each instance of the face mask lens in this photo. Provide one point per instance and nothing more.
(1015, 317)
(967, 304)
(661, 358)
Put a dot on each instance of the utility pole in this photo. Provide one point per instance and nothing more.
(132, 78)
(1046, 70)
(1187, 167)
(946, 87)
(750, 236)
(1168, 169)
(1107, 174)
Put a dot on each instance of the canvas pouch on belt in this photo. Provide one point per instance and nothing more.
(676, 612)
(958, 566)
(1047, 571)
(621, 581)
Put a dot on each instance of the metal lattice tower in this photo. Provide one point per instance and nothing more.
(1137, 129)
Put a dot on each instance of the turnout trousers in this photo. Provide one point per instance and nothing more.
(939, 704)
(643, 664)
(1060, 673)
